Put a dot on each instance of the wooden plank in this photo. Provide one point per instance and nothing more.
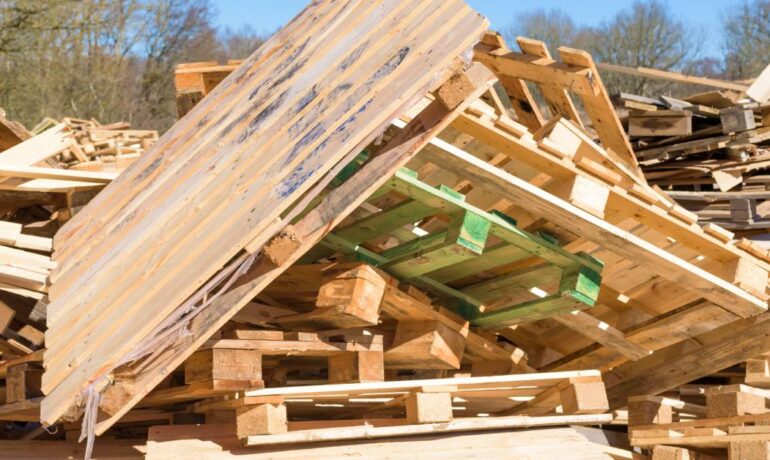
(558, 98)
(599, 108)
(38, 148)
(602, 333)
(453, 426)
(35, 172)
(405, 386)
(660, 123)
(672, 76)
(526, 109)
(375, 80)
(218, 442)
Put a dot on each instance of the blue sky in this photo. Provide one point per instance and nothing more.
(267, 16)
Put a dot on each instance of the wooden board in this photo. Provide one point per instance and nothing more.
(219, 442)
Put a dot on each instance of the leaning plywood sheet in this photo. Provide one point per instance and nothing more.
(220, 180)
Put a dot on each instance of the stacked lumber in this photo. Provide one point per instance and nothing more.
(733, 421)
(100, 147)
(709, 151)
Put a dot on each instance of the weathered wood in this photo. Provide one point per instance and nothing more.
(660, 123)
(681, 363)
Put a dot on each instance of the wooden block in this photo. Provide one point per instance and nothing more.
(670, 453)
(749, 450)
(736, 119)
(454, 92)
(489, 368)
(6, 315)
(660, 123)
(425, 344)
(743, 209)
(586, 194)
(223, 364)
(362, 366)
(584, 398)
(733, 403)
(746, 274)
(428, 407)
(23, 382)
(648, 412)
(758, 373)
(353, 297)
(260, 419)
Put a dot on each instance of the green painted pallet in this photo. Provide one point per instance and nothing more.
(432, 261)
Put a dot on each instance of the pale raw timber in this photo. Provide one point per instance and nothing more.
(387, 233)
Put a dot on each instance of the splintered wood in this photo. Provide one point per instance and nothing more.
(318, 91)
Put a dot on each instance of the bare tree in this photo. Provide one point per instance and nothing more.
(177, 31)
(645, 35)
(108, 59)
(747, 38)
(553, 27)
(240, 43)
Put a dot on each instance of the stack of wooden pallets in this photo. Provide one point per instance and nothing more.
(368, 237)
(732, 421)
(708, 151)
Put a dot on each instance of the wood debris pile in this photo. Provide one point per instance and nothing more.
(709, 151)
(100, 147)
(48, 174)
(371, 239)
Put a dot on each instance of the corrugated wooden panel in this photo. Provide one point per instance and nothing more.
(323, 86)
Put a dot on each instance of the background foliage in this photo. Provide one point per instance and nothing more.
(113, 59)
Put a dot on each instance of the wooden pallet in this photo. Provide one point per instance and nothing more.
(733, 419)
(261, 415)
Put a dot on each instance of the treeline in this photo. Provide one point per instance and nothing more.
(648, 34)
(113, 59)
(107, 59)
